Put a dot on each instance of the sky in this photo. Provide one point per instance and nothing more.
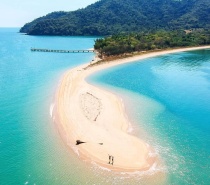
(15, 13)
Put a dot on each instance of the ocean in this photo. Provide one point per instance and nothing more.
(167, 99)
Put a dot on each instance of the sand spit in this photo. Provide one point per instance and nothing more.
(97, 117)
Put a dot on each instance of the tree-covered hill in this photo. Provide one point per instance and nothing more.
(107, 17)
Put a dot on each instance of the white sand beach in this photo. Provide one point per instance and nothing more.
(97, 117)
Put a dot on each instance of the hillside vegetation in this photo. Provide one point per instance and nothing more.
(108, 17)
(136, 42)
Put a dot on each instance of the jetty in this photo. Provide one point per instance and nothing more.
(63, 51)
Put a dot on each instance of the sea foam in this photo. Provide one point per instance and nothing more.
(51, 109)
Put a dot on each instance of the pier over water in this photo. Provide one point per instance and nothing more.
(63, 51)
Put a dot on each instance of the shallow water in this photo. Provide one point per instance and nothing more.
(31, 149)
(168, 97)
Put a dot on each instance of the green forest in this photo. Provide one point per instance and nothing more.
(109, 17)
(137, 42)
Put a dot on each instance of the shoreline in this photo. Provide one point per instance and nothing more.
(85, 112)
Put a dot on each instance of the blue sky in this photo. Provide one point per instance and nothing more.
(15, 13)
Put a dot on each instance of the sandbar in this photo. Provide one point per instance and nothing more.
(98, 118)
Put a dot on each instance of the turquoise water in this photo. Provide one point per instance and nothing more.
(31, 151)
(167, 100)
(31, 148)
(168, 97)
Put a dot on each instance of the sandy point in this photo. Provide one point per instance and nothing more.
(97, 118)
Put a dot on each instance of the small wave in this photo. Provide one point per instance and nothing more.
(151, 171)
(51, 109)
(100, 167)
(75, 149)
(153, 153)
(153, 167)
(130, 129)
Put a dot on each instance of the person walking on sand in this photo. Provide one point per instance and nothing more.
(112, 160)
(109, 159)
